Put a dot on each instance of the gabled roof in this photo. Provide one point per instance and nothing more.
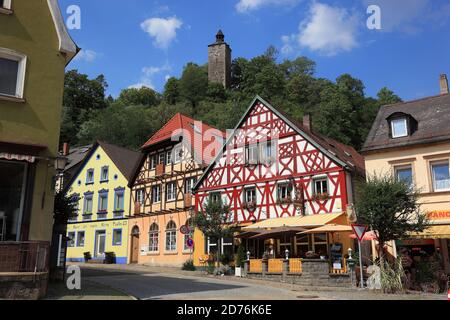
(124, 159)
(344, 155)
(66, 44)
(433, 118)
(177, 123)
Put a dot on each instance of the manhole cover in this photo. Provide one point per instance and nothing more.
(307, 297)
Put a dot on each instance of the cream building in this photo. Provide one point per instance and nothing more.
(411, 140)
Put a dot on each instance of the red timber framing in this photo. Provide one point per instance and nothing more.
(299, 161)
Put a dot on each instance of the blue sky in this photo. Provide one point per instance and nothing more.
(142, 42)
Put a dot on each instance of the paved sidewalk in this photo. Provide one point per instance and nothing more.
(104, 274)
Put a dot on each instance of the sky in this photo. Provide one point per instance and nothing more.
(144, 42)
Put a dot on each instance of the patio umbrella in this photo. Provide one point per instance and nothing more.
(248, 234)
(368, 236)
(276, 232)
(330, 228)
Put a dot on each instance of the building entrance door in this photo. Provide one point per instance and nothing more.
(134, 245)
(100, 242)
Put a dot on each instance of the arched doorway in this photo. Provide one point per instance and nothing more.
(134, 245)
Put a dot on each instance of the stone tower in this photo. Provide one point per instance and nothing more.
(219, 61)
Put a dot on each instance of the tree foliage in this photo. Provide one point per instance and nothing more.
(390, 207)
(339, 108)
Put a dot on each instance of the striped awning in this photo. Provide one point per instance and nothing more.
(434, 232)
(316, 220)
(18, 157)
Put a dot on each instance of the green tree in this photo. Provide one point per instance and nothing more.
(143, 96)
(172, 91)
(213, 223)
(386, 96)
(81, 96)
(389, 207)
(194, 83)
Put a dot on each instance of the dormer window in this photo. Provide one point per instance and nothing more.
(399, 127)
(6, 6)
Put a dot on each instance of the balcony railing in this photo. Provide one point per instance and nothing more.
(29, 256)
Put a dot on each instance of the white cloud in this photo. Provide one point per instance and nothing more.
(249, 5)
(164, 31)
(147, 75)
(328, 30)
(288, 44)
(86, 55)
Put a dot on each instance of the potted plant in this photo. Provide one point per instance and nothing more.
(110, 258)
(87, 256)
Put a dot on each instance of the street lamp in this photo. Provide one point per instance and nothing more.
(60, 163)
(350, 253)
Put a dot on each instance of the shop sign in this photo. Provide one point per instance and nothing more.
(438, 215)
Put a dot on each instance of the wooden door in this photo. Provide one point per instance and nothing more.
(134, 245)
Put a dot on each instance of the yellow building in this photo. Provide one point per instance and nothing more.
(411, 140)
(161, 202)
(100, 186)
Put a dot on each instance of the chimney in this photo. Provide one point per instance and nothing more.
(65, 150)
(444, 84)
(307, 122)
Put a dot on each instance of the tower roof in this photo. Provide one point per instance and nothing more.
(220, 37)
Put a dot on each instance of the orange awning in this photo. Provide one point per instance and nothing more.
(434, 232)
(329, 228)
(311, 221)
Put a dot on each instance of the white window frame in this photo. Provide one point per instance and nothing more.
(251, 154)
(433, 180)
(158, 198)
(6, 4)
(405, 121)
(178, 154)
(106, 178)
(161, 158)
(153, 161)
(73, 240)
(403, 168)
(321, 179)
(288, 192)
(171, 238)
(152, 235)
(251, 190)
(171, 193)
(77, 244)
(140, 196)
(22, 59)
(264, 148)
(189, 183)
(168, 157)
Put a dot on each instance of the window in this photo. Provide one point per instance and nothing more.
(284, 191)
(404, 173)
(103, 202)
(87, 209)
(104, 174)
(215, 197)
(171, 236)
(119, 200)
(399, 127)
(171, 191)
(153, 238)
(71, 241)
(168, 157)
(267, 151)
(5, 4)
(440, 174)
(321, 186)
(320, 243)
(161, 157)
(250, 195)
(76, 199)
(12, 73)
(190, 224)
(156, 193)
(251, 154)
(189, 184)
(90, 176)
(178, 154)
(152, 162)
(302, 245)
(80, 238)
(140, 196)
(117, 237)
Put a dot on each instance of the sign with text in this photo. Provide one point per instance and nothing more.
(439, 215)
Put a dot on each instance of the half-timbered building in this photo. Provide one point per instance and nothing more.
(276, 172)
(172, 161)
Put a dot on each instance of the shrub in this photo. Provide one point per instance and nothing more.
(188, 265)
(240, 256)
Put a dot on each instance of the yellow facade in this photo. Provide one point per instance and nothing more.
(99, 226)
(420, 160)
